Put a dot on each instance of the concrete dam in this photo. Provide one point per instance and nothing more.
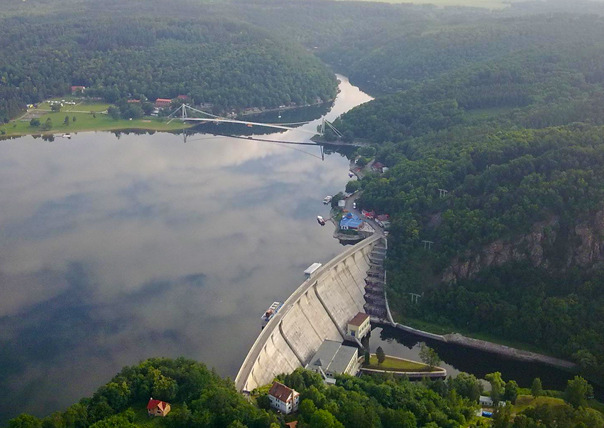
(319, 309)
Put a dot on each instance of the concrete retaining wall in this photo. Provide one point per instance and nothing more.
(319, 309)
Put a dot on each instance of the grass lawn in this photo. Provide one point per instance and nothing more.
(87, 122)
(396, 364)
(487, 4)
(523, 402)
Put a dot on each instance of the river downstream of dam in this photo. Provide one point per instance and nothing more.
(115, 248)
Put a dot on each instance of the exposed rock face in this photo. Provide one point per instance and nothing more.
(546, 246)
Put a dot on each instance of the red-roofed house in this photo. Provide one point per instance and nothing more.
(283, 398)
(76, 89)
(359, 326)
(157, 407)
(163, 102)
(183, 97)
(377, 166)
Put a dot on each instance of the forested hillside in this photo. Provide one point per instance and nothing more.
(200, 398)
(147, 49)
(514, 134)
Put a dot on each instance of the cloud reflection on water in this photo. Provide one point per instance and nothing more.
(113, 250)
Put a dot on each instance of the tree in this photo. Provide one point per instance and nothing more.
(511, 391)
(536, 387)
(428, 356)
(353, 185)
(324, 419)
(66, 121)
(47, 125)
(25, 421)
(381, 356)
(113, 112)
(577, 391)
(366, 355)
(502, 417)
(497, 386)
(73, 119)
(55, 107)
(466, 386)
(34, 122)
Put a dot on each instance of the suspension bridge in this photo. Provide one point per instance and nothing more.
(186, 113)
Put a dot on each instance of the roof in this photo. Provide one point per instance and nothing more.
(383, 217)
(152, 404)
(333, 357)
(350, 221)
(163, 100)
(312, 268)
(281, 392)
(292, 424)
(359, 319)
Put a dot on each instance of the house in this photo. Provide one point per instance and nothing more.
(77, 89)
(377, 167)
(163, 102)
(157, 408)
(284, 399)
(368, 214)
(359, 326)
(183, 97)
(350, 222)
(332, 358)
(485, 401)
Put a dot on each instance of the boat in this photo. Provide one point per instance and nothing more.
(327, 199)
(321, 220)
(270, 313)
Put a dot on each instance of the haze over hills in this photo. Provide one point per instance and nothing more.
(504, 110)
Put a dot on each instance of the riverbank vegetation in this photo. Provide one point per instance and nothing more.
(511, 128)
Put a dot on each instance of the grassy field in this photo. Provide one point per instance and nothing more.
(84, 122)
(523, 402)
(487, 4)
(396, 364)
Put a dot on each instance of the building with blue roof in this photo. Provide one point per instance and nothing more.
(350, 221)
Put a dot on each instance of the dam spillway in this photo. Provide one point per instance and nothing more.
(319, 309)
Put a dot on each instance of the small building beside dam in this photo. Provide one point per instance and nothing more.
(318, 310)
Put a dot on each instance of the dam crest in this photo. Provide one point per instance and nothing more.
(318, 310)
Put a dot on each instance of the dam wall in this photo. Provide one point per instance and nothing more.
(319, 309)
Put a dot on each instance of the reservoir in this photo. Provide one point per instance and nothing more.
(117, 248)
(114, 249)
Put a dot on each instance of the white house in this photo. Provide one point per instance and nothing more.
(284, 399)
(359, 326)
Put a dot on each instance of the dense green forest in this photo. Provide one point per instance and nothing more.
(143, 49)
(510, 126)
(201, 398)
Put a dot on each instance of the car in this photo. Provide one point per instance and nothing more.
(354, 205)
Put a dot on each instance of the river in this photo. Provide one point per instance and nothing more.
(117, 248)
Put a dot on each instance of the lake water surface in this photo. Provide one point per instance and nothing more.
(113, 250)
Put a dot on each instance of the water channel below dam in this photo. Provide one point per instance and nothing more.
(119, 247)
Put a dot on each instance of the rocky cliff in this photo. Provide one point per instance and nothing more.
(550, 244)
